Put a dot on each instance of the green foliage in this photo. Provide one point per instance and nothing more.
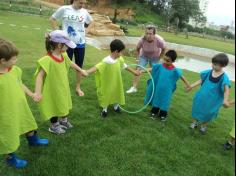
(212, 32)
(25, 7)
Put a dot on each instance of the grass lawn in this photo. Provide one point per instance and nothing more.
(123, 144)
(226, 47)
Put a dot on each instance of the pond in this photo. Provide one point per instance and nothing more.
(198, 65)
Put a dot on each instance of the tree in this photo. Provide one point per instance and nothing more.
(177, 9)
(167, 13)
(199, 19)
(184, 9)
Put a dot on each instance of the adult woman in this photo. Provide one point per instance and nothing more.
(149, 50)
(74, 18)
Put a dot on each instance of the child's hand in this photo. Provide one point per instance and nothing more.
(84, 73)
(188, 88)
(226, 104)
(138, 72)
(232, 102)
(37, 97)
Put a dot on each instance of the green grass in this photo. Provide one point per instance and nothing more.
(27, 7)
(227, 47)
(121, 145)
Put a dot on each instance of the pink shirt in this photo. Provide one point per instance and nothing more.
(152, 49)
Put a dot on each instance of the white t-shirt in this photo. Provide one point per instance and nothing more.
(73, 22)
(109, 60)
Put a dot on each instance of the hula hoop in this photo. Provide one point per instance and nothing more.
(153, 87)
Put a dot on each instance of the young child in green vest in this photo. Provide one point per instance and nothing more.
(52, 84)
(16, 117)
(231, 141)
(108, 78)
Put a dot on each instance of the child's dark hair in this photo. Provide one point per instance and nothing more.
(117, 45)
(50, 45)
(221, 59)
(7, 50)
(171, 54)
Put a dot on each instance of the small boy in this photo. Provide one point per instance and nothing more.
(109, 80)
(212, 95)
(165, 76)
(15, 115)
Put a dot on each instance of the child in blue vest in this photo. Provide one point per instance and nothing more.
(213, 93)
(165, 76)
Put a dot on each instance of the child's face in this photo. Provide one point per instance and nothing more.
(168, 61)
(11, 62)
(118, 54)
(217, 67)
(63, 48)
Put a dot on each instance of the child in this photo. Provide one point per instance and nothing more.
(165, 76)
(214, 93)
(52, 84)
(15, 115)
(231, 142)
(108, 78)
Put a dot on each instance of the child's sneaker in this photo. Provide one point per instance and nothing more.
(65, 124)
(153, 116)
(14, 161)
(118, 110)
(132, 90)
(203, 129)
(228, 146)
(103, 114)
(193, 125)
(163, 119)
(56, 128)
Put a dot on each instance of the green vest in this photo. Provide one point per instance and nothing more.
(16, 117)
(56, 96)
(109, 83)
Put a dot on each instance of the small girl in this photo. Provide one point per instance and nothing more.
(214, 93)
(16, 117)
(52, 84)
(165, 76)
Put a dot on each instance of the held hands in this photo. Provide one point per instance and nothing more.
(188, 88)
(37, 97)
(137, 72)
(84, 73)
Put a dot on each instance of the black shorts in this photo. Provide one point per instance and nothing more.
(78, 55)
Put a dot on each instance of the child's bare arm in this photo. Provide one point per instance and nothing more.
(226, 102)
(145, 71)
(131, 70)
(92, 70)
(197, 83)
(38, 86)
(27, 91)
(188, 85)
(77, 68)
